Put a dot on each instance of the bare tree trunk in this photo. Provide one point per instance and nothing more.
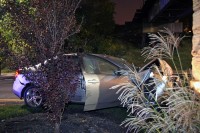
(196, 40)
(57, 128)
(0, 67)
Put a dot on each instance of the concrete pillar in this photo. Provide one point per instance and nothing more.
(196, 40)
(196, 46)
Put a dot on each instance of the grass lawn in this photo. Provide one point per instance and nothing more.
(133, 55)
(9, 111)
(185, 49)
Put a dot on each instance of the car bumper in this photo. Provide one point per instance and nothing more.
(18, 87)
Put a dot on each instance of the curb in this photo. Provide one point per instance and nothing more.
(7, 77)
(11, 102)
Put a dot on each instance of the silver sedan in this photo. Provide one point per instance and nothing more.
(99, 74)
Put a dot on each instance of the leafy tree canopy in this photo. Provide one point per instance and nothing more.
(10, 41)
(97, 25)
(40, 27)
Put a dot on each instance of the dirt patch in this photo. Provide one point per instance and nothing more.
(72, 122)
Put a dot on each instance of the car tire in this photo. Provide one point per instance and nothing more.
(33, 97)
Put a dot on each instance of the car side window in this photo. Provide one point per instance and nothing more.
(97, 65)
(88, 64)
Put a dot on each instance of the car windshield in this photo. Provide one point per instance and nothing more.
(123, 63)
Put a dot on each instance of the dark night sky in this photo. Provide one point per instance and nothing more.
(125, 9)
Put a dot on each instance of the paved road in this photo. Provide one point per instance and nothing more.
(6, 89)
(6, 94)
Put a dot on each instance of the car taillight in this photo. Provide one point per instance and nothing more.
(16, 73)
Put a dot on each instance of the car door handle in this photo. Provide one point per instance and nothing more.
(93, 81)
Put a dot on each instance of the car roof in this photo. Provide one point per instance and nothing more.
(120, 62)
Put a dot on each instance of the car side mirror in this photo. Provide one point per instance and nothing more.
(117, 73)
(121, 72)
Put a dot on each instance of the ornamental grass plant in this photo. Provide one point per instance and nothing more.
(176, 109)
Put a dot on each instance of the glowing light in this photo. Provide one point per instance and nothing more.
(195, 85)
(16, 73)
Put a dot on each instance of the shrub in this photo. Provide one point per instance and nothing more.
(176, 109)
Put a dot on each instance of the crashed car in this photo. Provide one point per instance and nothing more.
(99, 74)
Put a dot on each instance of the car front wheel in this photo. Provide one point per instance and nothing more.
(33, 97)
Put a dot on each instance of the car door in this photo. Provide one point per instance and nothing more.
(99, 78)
